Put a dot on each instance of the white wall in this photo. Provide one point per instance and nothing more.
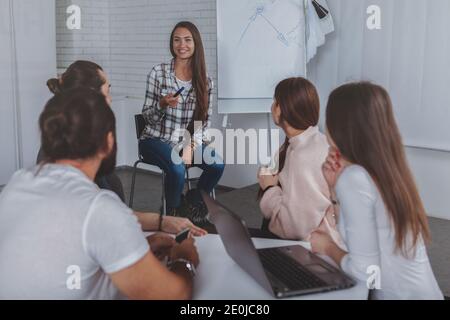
(28, 60)
(432, 172)
(36, 63)
(8, 160)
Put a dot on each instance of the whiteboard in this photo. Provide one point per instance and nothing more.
(259, 43)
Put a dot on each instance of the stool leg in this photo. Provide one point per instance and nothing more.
(163, 194)
(133, 181)
(188, 179)
(213, 193)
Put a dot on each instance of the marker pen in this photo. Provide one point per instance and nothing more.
(178, 92)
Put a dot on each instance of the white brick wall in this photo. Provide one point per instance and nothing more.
(139, 37)
(128, 37)
(89, 43)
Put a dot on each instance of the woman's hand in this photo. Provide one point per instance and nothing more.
(267, 180)
(321, 242)
(332, 167)
(331, 216)
(175, 225)
(169, 101)
(187, 155)
(161, 245)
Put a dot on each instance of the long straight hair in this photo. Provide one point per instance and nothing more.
(198, 67)
(361, 122)
(299, 105)
(300, 108)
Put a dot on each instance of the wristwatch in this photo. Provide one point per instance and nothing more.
(335, 202)
(189, 265)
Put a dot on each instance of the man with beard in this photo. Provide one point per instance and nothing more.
(61, 237)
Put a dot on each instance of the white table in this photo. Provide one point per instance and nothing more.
(220, 278)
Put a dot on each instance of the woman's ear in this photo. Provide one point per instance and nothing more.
(276, 113)
(330, 140)
(110, 141)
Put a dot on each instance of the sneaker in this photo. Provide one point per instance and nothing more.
(197, 214)
(181, 211)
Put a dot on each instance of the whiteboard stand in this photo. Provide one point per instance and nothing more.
(227, 107)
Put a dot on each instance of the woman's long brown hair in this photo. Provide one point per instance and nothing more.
(361, 122)
(198, 66)
(300, 108)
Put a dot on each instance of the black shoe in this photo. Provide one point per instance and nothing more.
(198, 214)
(181, 211)
(193, 196)
(196, 208)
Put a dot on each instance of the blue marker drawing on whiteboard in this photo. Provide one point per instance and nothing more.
(285, 39)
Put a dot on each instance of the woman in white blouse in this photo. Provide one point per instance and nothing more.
(380, 214)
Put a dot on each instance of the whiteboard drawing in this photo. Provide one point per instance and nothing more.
(259, 44)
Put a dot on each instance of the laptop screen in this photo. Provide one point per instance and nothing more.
(236, 240)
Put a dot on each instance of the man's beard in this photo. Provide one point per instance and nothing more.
(109, 163)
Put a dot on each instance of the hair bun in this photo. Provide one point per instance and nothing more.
(54, 85)
(55, 128)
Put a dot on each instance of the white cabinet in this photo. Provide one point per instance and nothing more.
(27, 61)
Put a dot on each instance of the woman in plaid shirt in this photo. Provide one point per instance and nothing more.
(167, 116)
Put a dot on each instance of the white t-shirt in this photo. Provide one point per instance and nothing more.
(56, 224)
(187, 87)
(370, 238)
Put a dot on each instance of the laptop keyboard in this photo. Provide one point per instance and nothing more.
(292, 274)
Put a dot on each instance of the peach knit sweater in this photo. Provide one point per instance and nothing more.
(299, 206)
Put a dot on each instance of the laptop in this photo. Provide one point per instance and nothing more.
(282, 271)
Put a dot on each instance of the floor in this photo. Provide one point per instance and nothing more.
(243, 202)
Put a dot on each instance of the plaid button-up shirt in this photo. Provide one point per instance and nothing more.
(164, 124)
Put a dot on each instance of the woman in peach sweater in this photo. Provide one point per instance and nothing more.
(296, 198)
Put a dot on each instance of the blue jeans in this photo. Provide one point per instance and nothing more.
(159, 153)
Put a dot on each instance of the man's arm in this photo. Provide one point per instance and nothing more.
(150, 279)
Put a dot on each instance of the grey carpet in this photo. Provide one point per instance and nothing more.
(243, 202)
(439, 252)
